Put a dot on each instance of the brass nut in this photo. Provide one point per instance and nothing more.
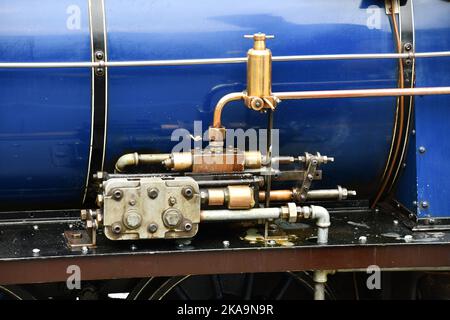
(256, 103)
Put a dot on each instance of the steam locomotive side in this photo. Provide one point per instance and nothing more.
(262, 136)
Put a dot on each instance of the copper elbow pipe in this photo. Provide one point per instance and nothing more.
(217, 122)
(327, 94)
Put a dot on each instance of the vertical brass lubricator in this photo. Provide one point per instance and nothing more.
(259, 74)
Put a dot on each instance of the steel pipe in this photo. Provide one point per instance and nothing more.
(236, 215)
(186, 62)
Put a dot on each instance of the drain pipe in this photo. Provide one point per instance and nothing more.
(320, 279)
(322, 217)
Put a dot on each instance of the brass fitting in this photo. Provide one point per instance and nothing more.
(234, 197)
(259, 74)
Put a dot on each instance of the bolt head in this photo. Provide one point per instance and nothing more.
(133, 220)
(152, 227)
(152, 193)
(100, 71)
(187, 192)
(99, 55)
(362, 239)
(116, 228)
(226, 243)
(117, 194)
(408, 46)
(188, 226)
(84, 249)
(424, 204)
(172, 201)
(172, 218)
(422, 149)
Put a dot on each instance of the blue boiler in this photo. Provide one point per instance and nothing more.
(46, 116)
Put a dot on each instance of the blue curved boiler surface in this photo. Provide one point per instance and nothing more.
(46, 116)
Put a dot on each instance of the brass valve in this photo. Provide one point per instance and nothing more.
(259, 74)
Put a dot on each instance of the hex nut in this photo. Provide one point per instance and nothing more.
(132, 219)
(187, 192)
(172, 218)
(152, 193)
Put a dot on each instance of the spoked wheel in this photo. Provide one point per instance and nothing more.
(258, 286)
(14, 293)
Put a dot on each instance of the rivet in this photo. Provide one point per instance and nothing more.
(422, 149)
(362, 239)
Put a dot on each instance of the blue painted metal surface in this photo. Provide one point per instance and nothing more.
(432, 116)
(45, 115)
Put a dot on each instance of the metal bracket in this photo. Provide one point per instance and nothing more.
(80, 239)
(300, 194)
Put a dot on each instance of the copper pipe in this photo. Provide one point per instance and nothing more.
(359, 93)
(327, 94)
(276, 195)
(222, 103)
(400, 114)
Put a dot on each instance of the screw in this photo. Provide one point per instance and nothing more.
(413, 132)
(414, 203)
(408, 46)
(117, 194)
(100, 71)
(36, 251)
(226, 243)
(132, 202)
(408, 62)
(424, 204)
(188, 226)
(116, 228)
(152, 227)
(99, 55)
(153, 193)
(422, 149)
(310, 177)
(395, 222)
(362, 239)
(84, 249)
(133, 247)
(36, 227)
(172, 201)
(187, 192)
(271, 242)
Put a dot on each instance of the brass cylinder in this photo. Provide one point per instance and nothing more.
(259, 68)
(234, 197)
(253, 159)
(240, 197)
